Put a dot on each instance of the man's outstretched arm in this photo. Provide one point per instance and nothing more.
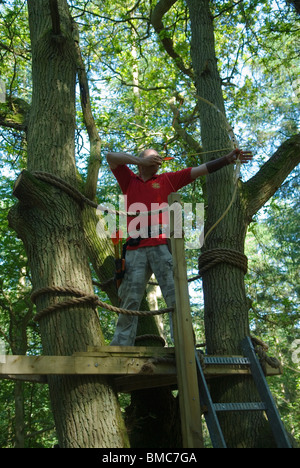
(216, 164)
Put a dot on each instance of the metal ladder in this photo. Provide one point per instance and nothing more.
(266, 404)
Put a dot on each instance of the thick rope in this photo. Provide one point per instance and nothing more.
(82, 298)
(265, 359)
(215, 256)
(65, 187)
(261, 349)
(80, 198)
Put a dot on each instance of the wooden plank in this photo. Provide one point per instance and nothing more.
(270, 371)
(85, 365)
(131, 351)
(132, 383)
(110, 363)
(184, 338)
(37, 365)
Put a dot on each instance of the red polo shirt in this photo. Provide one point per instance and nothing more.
(149, 196)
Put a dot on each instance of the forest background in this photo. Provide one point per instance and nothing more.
(141, 98)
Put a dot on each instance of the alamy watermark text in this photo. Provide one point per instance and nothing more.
(188, 221)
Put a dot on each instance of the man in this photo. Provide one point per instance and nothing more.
(149, 253)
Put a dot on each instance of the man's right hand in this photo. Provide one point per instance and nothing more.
(151, 160)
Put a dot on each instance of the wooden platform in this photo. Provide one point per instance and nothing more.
(132, 368)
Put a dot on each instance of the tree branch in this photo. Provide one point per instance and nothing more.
(189, 140)
(296, 5)
(94, 138)
(272, 174)
(12, 51)
(143, 88)
(55, 17)
(162, 7)
(13, 113)
(7, 123)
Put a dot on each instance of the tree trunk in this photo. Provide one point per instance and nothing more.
(226, 305)
(153, 419)
(49, 222)
(19, 415)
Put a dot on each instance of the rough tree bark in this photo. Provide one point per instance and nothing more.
(49, 222)
(226, 305)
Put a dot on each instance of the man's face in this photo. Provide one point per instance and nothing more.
(149, 154)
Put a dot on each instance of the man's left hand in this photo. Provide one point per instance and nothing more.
(238, 154)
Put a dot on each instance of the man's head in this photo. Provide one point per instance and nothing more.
(148, 152)
(154, 162)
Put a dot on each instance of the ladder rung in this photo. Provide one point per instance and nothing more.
(259, 406)
(222, 360)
